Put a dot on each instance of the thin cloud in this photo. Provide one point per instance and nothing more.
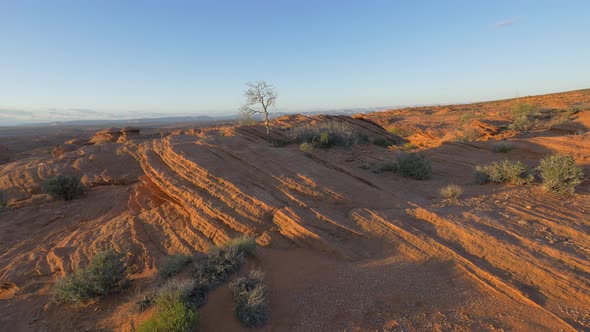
(505, 23)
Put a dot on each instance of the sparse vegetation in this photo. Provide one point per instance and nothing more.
(173, 312)
(105, 274)
(514, 172)
(261, 97)
(521, 116)
(387, 167)
(451, 191)
(326, 134)
(63, 187)
(560, 174)
(381, 141)
(502, 147)
(250, 303)
(469, 135)
(306, 147)
(409, 146)
(414, 165)
(173, 264)
(279, 142)
(400, 131)
(222, 261)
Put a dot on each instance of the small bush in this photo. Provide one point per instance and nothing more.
(452, 191)
(250, 299)
(388, 167)
(573, 111)
(172, 315)
(189, 291)
(502, 147)
(173, 264)
(381, 141)
(105, 273)
(400, 131)
(63, 187)
(326, 134)
(414, 165)
(244, 245)
(514, 172)
(280, 142)
(306, 147)
(560, 174)
(409, 146)
(521, 116)
(222, 261)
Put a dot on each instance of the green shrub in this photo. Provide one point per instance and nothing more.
(388, 167)
(502, 147)
(244, 244)
(414, 165)
(224, 260)
(521, 116)
(250, 299)
(514, 172)
(400, 131)
(326, 134)
(381, 141)
(409, 146)
(105, 274)
(63, 187)
(173, 264)
(560, 174)
(172, 315)
(279, 142)
(189, 291)
(306, 147)
(451, 191)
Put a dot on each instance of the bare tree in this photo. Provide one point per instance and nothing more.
(260, 98)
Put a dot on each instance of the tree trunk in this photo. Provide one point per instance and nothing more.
(267, 124)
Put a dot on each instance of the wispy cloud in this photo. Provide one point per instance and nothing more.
(506, 23)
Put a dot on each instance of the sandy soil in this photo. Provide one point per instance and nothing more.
(344, 247)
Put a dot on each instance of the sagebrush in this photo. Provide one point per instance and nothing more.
(414, 165)
(326, 134)
(522, 115)
(250, 299)
(514, 172)
(63, 187)
(105, 273)
(502, 147)
(560, 174)
(173, 264)
(173, 313)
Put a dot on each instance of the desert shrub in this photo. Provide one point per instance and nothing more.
(63, 187)
(279, 142)
(573, 110)
(172, 314)
(381, 141)
(250, 299)
(144, 302)
(106, 273)
(244, 245)
(400, 131)
(189, 291)
(451, 191)
(514, 172)
(414, 165)
(560, 174)
(222, 261)
(326, 134)
(173, 264)
(388, 167)
(502, 147)
(306, 147)
(409, 146)
(363, 138)
(468, 135)
(521, 116)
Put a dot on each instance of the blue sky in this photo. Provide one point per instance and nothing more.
(136, 58)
